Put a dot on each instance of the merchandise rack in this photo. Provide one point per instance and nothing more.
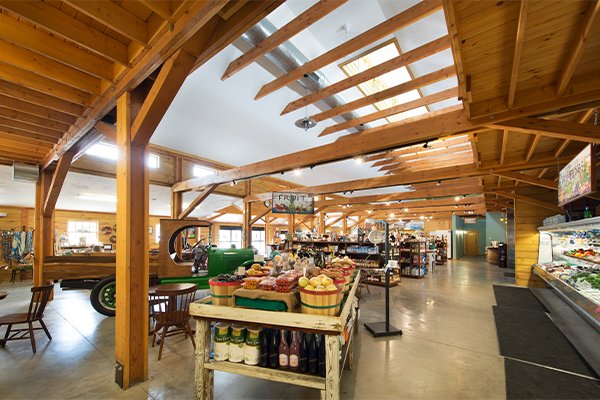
(330, 326)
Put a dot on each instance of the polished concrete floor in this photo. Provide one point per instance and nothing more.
(448, 349)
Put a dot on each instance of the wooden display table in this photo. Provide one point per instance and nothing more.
(492, 255)
(331, 327)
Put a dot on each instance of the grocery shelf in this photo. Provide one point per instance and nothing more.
(583, 261)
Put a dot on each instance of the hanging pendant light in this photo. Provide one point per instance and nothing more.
(306, 123)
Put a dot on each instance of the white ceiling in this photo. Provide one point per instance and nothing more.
(220, 120)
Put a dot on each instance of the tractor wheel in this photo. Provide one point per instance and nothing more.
(104, 296)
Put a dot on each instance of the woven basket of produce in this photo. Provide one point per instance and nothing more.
(222, 292)
(321, 302)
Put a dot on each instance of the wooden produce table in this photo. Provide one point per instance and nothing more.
(331, 327)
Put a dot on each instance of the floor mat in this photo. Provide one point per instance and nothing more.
(514, 297)
(532, 336)
(526, 381)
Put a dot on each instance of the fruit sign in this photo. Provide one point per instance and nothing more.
(577, 178)
(293, 203)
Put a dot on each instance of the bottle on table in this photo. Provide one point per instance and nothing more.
(263, 360)
(313, 356)
(294, 352)
(274, 349)
(284, 352)
(303, 353)
(322, 357)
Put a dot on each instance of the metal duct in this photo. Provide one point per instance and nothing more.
(25, 172)
(287, 57)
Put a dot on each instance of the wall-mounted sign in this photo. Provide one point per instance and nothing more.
(417, 226)
(470, 220)
(293, 203)
(577, 178)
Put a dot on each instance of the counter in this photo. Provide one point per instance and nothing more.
(492, 255)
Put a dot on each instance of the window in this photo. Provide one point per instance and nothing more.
(229, 235)
(376, 56)
(258, 239)
(82, 229)
(110, 151)
(153, 161)
(202, 171)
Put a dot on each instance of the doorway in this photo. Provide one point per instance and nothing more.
(472, 243)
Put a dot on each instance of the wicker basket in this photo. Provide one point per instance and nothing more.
(222, 292)
(348, 279)
(350, 270)
(322, 302)
(342, 283)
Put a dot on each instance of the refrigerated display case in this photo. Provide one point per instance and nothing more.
(569, 262)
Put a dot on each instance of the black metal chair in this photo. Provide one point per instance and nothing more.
(39, 299)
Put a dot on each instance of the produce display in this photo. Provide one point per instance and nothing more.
(584, 279)
(588, 255)
(251, 282)
(230, 278)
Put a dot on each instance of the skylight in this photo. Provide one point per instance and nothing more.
(396, 77)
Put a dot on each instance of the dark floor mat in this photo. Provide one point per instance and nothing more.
(515, 297)
(526, 381)
(532, 336)
(509, 274)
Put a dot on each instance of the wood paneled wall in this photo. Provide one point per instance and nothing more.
(527, 219)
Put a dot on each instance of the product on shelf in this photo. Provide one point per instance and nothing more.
(237, 343)
(268, 284)
(252, 282)
(222, 337)
(252, 347)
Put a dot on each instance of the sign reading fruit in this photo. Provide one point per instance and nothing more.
(293, 203)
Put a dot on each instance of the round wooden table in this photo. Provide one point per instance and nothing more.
(170, 287)
(3, 295)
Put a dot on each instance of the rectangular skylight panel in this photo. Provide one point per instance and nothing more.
(103, 150)
(199, 171)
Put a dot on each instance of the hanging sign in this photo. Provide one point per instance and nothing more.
(417, 226)
(293, 203)
(577, 178)
(470, 220)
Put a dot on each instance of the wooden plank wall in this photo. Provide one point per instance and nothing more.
(527, 219)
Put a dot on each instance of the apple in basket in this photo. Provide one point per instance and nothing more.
(303, 282)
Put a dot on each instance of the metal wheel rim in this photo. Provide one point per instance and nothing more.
(108, 296)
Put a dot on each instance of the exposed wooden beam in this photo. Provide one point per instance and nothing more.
(425, 154)
(64, 163)
(385, 94)
(410, 105)
(473, 139)
(418, 149)
(542, 172)
(582, 38)
(420, 165)
(62, 24)
(107, 130)
(7, 124)
(504, 142)
(457, 52)
(298, 24)
(17, 142)
(317, 211)
(31, 96)
(514, 74)
(534, 180)
(32, 119)
(115, 17)
(391, 25)
(402, 60)
(560, 147)
(36, 112)
(531, 201)
(167, 84)
(42, 84)
(344, 215)
(409, 206)
(259, 216)
(529, 152)
(214, 217)
(52, 47)
(160, 7)
(557, 129)
(205, 193)
(231, 8)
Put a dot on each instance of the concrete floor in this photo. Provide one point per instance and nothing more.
(448, 348)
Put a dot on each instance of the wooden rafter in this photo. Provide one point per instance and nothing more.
(402, 60)
(542, 172)
(529, 152)
(514, 74)
(29, 110)
(557, 129)
(531, 201)
(475, 149)
(260, 215)
(107, 130)
(534, 180)
(41, 99)
(391, 25)
(582, 38)
(214, 217)
(298, 24)
(582, 119)
(205, 193)
(504, 142)
(440, 162)
(426, 154)
(417, 149)
(344, 215)
(410, 105)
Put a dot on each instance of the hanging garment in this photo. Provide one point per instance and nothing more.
(29, 242)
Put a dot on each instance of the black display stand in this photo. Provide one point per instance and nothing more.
(379, 329)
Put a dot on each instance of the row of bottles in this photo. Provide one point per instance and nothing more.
(367, 263)
(294, 351)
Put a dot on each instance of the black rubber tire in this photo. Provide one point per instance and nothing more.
(104, 288)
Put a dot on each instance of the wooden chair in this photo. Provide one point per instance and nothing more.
(172, 313)
(39, 299)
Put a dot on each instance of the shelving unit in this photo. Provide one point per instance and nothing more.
(330, 326)
(418, 260)
(361, 252)
(441, 255)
